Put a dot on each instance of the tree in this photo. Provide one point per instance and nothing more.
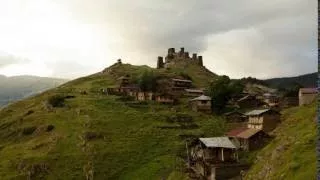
(221, 91)
(147, 81)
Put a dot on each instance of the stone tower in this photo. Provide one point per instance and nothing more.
(160, 63)
(200, 62)
(194, 56)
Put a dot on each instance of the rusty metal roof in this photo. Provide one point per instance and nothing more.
(236, 131)
(248, 133)
(223, 142)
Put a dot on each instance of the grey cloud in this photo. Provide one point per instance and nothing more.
(285, 31)
(7, 59)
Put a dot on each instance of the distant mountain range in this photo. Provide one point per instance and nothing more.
(307, 80)
(18, 87)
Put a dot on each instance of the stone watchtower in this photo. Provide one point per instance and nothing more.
(200, 62)
(160, 63)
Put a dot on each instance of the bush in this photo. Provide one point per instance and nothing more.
(28, 130)
(56, 101)
(50, 128)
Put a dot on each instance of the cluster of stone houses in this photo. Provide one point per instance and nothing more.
(198, 103)
(207, 154)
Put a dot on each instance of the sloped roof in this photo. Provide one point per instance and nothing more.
(236, 131)
(248, 133)
(257, 112)
(194, 90)
(202, 98)
(233, 112)
(246, 97)
(181, 80)
(223, 142)
(309, 90)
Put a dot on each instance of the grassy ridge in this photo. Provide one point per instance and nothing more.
(98, 135)
(292, 154)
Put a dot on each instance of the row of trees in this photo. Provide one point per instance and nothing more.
(222, 90)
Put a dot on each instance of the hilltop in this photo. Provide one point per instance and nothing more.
(18, 87)
(307, 80)
(101, 135)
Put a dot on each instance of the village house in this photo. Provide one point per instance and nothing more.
(201, 104)
(249, 101)
(180, 84)
(307, 95)
(124, 80)
(235, 116)
(271, 100)
(164, 98)
(247, 139)
(266, 119)
(206, 154)
(144, 96)
(193, 92)
(129, 88)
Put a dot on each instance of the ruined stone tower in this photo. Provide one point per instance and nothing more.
(174, 57)
(160, 63)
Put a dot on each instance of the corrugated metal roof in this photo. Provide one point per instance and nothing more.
(194, 90)
(235, 132)
(202, 98)
(257, 112)
(248, 133)
(223, 142)
(181, 80)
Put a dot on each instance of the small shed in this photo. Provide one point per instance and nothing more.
(215, 150)
(201, 104)
(264, 119)
(248, 138)
(307, 95)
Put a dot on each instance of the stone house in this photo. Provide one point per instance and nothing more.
(193, 92)
(201, 104)
(235, 116)
(164, 98)
(249, 101)
(144, 96)
(247, 139)
(180, 84)
(266, 119)
(307, 95)
(129, 89)
(124, 80)
(271, 100)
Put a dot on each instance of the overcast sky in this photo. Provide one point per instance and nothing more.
(72, 38)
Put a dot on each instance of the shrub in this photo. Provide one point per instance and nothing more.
(28, 130)
(50, 128)
(56, 101)
(29, 112)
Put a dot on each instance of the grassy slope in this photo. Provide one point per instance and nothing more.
(292, 154)
(132, 145)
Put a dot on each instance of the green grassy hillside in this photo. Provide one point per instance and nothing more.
(98, 135)
(292, 154)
